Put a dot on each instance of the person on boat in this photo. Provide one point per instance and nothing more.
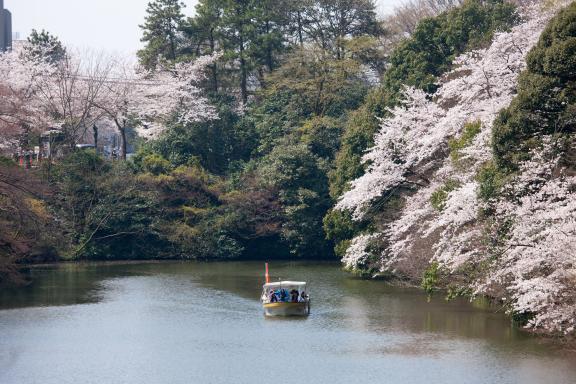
(303, 296)
(283, 295)
(272, 296)
(294, 295)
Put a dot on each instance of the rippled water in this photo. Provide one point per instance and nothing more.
(202, 323)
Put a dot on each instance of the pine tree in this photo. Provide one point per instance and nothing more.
(44, 45)
(161, 32)
(203, 36)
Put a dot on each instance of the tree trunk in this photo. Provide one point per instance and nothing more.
(243, 70)
(269, 58)
(300, 29)
(243, 73)
(123, 144)
(318, 102)
(95, 129)
(214, 66)
(172, 37)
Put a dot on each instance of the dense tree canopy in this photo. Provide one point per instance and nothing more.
(546, 101)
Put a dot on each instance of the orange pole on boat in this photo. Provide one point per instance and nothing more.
(267, 275)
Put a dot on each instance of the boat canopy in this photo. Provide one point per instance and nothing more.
(285, 284)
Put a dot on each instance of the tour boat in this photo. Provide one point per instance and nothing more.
(285, 298)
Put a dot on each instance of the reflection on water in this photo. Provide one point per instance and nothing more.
(66, 284)
(202, 323)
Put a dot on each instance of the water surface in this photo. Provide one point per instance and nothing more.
(202, 323)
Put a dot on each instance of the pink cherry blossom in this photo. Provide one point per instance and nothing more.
(534, 267)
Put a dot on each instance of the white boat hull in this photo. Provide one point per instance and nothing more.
(287, 309)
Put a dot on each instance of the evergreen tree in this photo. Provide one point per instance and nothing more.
(329, 23)
(202, 36)
(268, 39)
(44, 45)
(238, 31)
(161, 31)
(546, 101)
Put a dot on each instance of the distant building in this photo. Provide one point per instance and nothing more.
(5, 28)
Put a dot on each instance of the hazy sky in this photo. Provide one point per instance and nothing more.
(97, 24)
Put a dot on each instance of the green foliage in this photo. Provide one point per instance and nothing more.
(300, 177)
(215, 144)
(491, 180)
(340, 228)
(338, 225)
(439, 197)
(308, 86)
(161, 32)
(357, 137)
(204, 242)
(431, 278)
(248, 32)
(292, 130)
(341, 248)
(78, 177)
(291, 167)
(255, 36)
(122, 221)
(6, 161)
(297, 123)
(155, 164)
(44, 46)
(254, 216)
(114, 213)
(322, 135)
(277, 115)
(304, 210)
(332, 22)
(367, 50)
(455, 291)
(419, 60)
(162, 213)
(522, 318)
(470, 131)
(546, 99)
(298, 114)
(108, 213)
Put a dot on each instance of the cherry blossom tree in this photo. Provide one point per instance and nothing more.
(83, 88)
(537, 262)
(533, 268)
(20, 111)
(40, 94)
(357, 255)
(150, 99)
(414, 140)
